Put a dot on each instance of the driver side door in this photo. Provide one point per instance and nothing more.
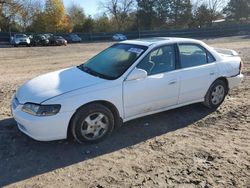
(159, 90)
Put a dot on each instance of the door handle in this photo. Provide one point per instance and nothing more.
(212, 73)
(172, 82)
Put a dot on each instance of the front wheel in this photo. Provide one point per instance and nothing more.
(92, 123)
(216, 94)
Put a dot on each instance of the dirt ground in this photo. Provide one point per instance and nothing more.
(186, 147)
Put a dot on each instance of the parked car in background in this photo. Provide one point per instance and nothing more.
(20, 39)
(128, 80)
(73, 38)
(39, 40)
(57, 41)
(48, 35)
(119, 37)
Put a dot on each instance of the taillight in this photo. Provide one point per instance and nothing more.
(241, 66)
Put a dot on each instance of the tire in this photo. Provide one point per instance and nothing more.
(216, 94)
(92, 123)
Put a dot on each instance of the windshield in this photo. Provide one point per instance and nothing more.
(21, 36)
(114, 61)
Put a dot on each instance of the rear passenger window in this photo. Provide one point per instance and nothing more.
(210, 58)
(194, 55)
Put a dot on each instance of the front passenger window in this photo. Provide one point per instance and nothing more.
(159, 60)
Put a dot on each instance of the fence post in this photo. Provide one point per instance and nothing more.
(90, 36)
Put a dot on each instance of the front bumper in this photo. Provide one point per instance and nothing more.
(21, 43)
(41, 128)
(235, 81)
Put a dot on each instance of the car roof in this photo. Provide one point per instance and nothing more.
(159, 41)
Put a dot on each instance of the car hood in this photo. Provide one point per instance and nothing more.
(53, 84)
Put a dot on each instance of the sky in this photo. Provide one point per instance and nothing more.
(90, 6)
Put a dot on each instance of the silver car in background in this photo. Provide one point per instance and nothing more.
(119, 37)
(20, 39)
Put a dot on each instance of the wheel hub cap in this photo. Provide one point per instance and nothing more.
(94, 126)
(218, 94)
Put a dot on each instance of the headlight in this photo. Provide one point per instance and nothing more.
(41, 110)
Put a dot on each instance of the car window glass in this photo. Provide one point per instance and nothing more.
(114, 61)
(159, 61)
(21, 36)
(210, 58)
(192, 55)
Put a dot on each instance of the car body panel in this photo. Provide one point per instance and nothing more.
(150, 94)
(54, 84)
(201, 78)
(42, 128)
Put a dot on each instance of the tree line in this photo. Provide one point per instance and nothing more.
(118, 15)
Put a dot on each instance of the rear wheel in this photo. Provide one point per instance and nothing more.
(216, 94)
(92, 123)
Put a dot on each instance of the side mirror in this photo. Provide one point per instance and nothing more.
(137, 74)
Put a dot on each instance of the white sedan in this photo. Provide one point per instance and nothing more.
(128, 80)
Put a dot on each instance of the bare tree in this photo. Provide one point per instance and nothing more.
(29, 9)
(217, 5)
(119, 10)
(8, 11)
(11, 4)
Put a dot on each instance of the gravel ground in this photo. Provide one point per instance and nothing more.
(186, 147)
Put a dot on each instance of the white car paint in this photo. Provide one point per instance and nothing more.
(20, 39)
(72, 88)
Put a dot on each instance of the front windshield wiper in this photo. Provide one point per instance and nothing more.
(92, 72)
(88, 70)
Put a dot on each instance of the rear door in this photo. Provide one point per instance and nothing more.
(197, 72)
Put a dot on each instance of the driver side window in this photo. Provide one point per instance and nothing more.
(159, 60)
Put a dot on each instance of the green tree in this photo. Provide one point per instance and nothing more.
(146, 14)
(103, 24)
(237, 9)
(180, 14)
(88, 25)
(202, 16)
(38, 23)
(119, 11)
(76, 17)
